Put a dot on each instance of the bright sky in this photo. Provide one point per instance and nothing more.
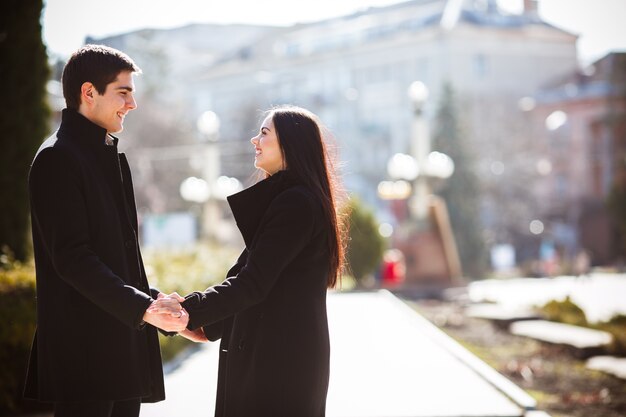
(66, 23)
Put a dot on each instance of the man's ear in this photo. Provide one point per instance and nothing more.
(87, 91)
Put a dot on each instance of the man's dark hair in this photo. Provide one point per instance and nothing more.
(97, 64)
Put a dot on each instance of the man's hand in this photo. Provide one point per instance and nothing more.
(166, 313)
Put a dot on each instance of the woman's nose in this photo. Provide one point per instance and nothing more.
(254, 140)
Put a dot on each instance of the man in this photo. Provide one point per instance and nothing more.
(95, 351)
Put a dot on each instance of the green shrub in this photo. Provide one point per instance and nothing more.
(17, 327)
(617, 327)
(365, 245)
(568, 312)
(181, 271)
(189, 270)
(185, 271)
(172, 346)
(564, 312)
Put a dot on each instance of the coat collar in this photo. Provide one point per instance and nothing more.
(249, 206)
(79, 130)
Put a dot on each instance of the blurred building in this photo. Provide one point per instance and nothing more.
(354, 72)
(583, 145)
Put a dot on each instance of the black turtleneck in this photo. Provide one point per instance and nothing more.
(76, 127)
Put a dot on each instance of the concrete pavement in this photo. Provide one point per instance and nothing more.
(386, 360)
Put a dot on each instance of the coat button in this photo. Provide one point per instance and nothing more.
(128, 244)
(241, 344)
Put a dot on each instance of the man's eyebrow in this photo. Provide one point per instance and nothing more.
(129, 89)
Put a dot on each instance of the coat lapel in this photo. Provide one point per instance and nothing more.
(249, 206)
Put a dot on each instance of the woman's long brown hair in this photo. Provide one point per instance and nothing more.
(308, 157)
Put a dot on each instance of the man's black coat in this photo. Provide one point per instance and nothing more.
(271, 311)
(92, 290)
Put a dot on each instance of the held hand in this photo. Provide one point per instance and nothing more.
(173, 295)
(167, 305)
(166, 313)
(197, 335)
(173, 322)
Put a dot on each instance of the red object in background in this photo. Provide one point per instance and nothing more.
(393, 268)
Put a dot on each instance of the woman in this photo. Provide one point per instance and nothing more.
(271, 310)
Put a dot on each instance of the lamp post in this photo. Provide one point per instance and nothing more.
(209, 126)
(413, 173)
(210, 188)
(420, 148)
(426, 238)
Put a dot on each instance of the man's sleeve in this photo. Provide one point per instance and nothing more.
(60, 216)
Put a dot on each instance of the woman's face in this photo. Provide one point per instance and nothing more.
(268, 155)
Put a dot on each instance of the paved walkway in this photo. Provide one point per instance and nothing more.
(386, 360)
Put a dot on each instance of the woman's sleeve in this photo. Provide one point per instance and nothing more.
(286, 229)
(215, 331)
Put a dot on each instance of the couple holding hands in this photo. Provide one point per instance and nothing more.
(95, 351)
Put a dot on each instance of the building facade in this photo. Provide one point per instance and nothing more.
(354, 72)
(586, 153)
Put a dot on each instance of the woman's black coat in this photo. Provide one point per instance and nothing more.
(271, 311)
(92, 289)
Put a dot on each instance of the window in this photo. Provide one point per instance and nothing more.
(481, 66)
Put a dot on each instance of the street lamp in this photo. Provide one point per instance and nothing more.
(195, 190)
(427, 240)
(420, 148)
(403, 167)
(209, 126)
(439, 165)
(412, 172)
(211, 188)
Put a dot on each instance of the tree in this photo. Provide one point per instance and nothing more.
(23, 122)
(461, 191)
(365, 245)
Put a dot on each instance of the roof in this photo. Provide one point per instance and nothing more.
(606, 77)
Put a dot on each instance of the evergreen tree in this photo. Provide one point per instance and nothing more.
(23, 122)
(462, 190)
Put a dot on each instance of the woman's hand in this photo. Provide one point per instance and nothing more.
(197, 335)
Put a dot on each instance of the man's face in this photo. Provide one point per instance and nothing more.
(110, 108)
